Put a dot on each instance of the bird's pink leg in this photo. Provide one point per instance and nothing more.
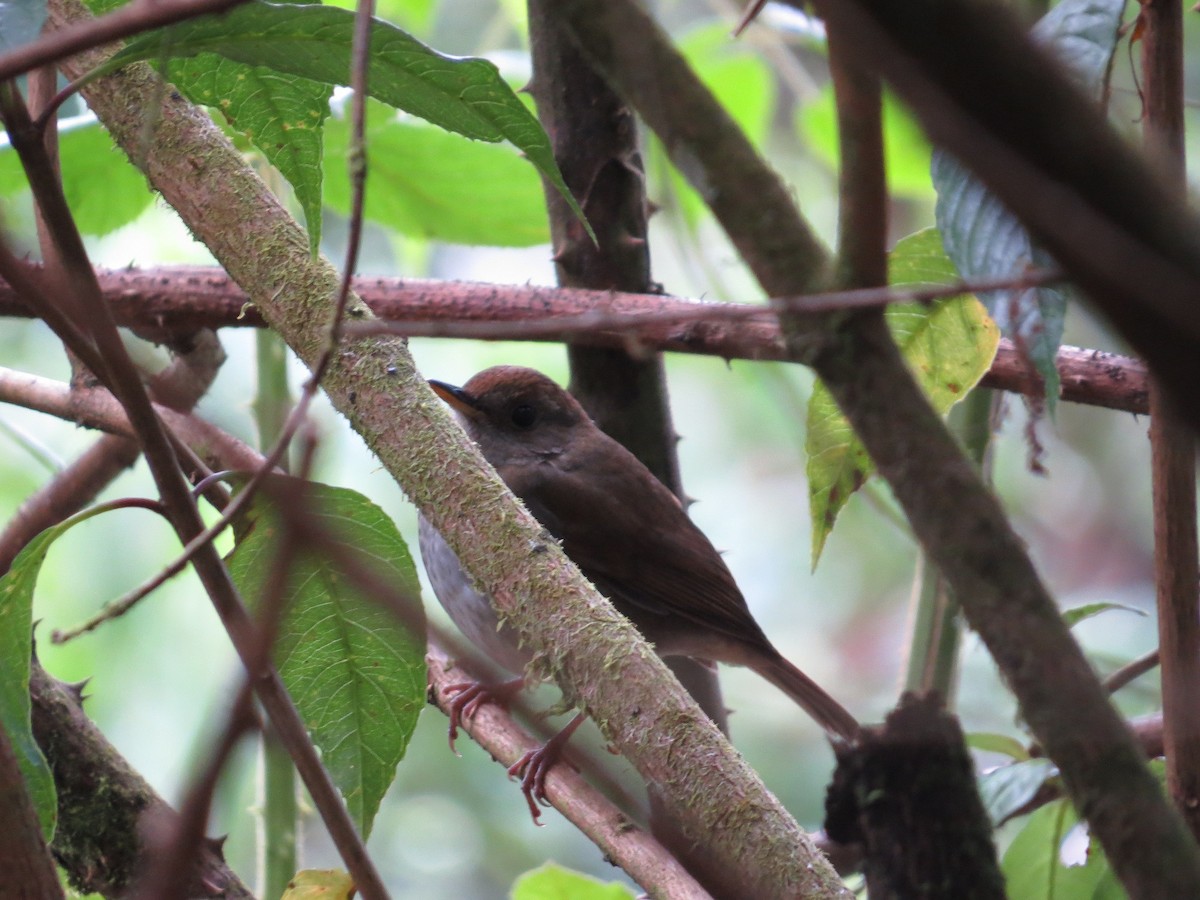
(534, 765)
(465, 697)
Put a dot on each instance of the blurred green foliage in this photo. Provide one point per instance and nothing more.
(163, 675)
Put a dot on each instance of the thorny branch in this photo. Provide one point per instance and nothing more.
(160, 302)
(958, 521)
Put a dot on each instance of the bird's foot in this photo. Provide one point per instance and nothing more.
(463, 699)
(534, 765)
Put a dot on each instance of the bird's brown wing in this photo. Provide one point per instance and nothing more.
(633, 540)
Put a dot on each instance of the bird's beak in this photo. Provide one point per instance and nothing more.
(459, 400)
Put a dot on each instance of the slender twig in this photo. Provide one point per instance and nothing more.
(123, 22)
(622, 841)
(298, 414)
(1173, 448)
(1122, 231)
(595, 140)
(171, 300)
(749, 14)
(356, 161)
(118, 372)
(862, 184)
(168, 868)
(1131, 671)
(958, 521)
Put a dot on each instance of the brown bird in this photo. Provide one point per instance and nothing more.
(624, 529)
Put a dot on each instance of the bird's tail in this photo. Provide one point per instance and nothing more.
(812, 698)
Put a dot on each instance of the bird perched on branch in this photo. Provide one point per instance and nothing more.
(624, 529)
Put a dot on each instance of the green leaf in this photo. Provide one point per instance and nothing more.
(356, 674)
(102, 187)
(998, 743)
(1082, 35)
(320, 884)
(1077, 614)
(984, 239)
(465, 95)
(905, 147)
(551, 882)
(948, 345)
(417, 184)
(280, 115)
(1006, 789)
(1034, 868)
(16, 650)
(100, 7)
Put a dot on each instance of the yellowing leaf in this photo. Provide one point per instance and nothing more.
(949, 345)
(551, 882)
(319, 884)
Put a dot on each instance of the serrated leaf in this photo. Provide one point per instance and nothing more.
(948, 345)
(1082, 35)
(1033, 865)
(320, 884)
(1078, 614)
(356, 674)
(998, 743)
(984, 239)
(280, 115)
(418, 187)
(551, 882)
(102, 187)
(1006, 789)
(461, 94)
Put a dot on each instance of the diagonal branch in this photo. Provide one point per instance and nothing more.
(1009, 113)
(958, 521)
(621, 840)
(96, 784)
(604, 664)
(1173, 449)
(595, 140)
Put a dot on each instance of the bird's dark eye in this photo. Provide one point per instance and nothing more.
(524, 416)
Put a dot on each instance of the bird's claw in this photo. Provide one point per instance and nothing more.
(463, 699)
(532, 769)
